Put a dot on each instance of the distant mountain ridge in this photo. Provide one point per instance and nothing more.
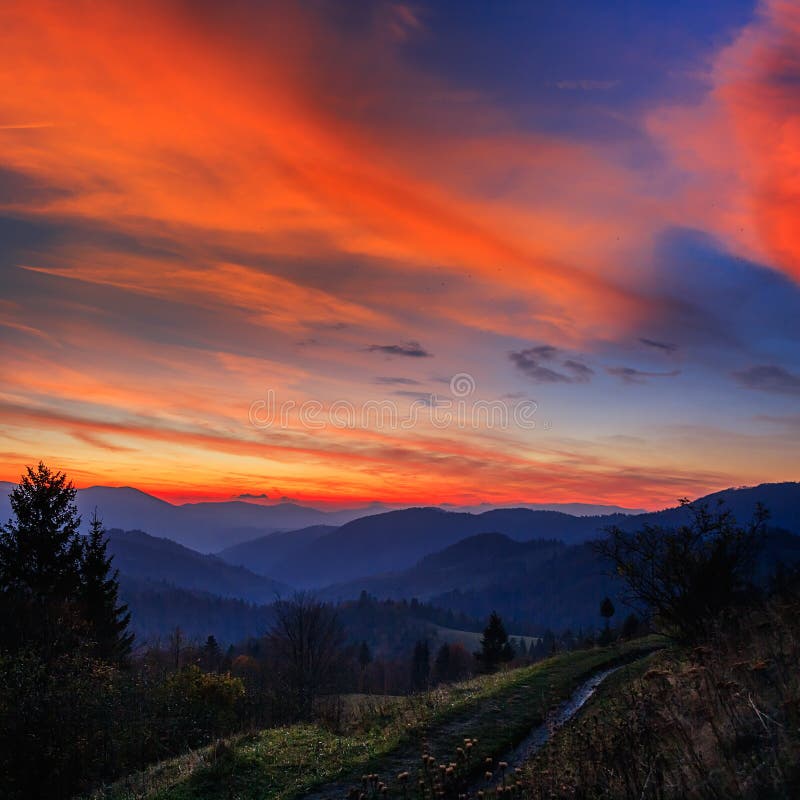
(266, 553)
(335, 548)
(141, 556)
(214, 526)
(539, 583)
(205, 527)
(573, 509)
(396, 540)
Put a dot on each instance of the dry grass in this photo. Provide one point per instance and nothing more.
(719, 721)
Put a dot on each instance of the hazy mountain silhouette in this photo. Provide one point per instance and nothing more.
(782, 501)
(477, 561)
(396, 540)
(575, 509)
(315, 553)
(139, 555)
(205, 527)
(265, 553)
(544, 584)
(158, 608)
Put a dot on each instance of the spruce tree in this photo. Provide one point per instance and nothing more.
(211, 655)
(40, 555)
(421, 665)
(364, 656)
(495, 647)
(442, 663)
(105, 616)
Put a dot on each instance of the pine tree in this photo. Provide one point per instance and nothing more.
(421, 665)
(211, 655)
(495, 647)
(364, 656)
(606, 611)
(40, 553)
(41, 547)
(107, 619)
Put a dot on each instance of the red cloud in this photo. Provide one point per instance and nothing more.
(742, 144)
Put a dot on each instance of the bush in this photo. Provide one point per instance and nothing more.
(56, 723)
(195, 706)
(687, 577)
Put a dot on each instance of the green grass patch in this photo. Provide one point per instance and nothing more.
(381, 737)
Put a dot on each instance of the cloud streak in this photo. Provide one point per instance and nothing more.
(529, 362)
(632, 375)
(409, 350)
(769, 378)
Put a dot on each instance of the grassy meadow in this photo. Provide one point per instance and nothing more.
(376, 735)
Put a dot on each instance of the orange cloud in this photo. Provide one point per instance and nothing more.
(159, 124)
(453, 472)
(742, 143)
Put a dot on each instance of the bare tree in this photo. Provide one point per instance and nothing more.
(306, 641)
(688, 576)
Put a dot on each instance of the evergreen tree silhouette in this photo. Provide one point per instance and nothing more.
(607, 611)
(211, 655)
(40, 556)
(106, 617)
(421, 665)
(495, 647)
(364, 656)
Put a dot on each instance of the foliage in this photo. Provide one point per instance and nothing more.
(195, 703)
(688, 576)
(607, 609)
(54, 722)
(452, 663)
(306, 642)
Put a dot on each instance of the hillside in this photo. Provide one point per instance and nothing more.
(266, 553)
(383, 736)
(534, 585)
(139, 555)
(716, 721)
(398, 539)
(157, 609)
(476, 562)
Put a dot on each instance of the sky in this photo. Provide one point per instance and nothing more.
(344, 252)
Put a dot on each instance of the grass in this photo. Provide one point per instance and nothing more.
(715, 721)
(378, 737)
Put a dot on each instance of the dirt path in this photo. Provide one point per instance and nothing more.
(443, 739)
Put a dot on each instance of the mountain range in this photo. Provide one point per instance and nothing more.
(143, 557)
(212, 526)
(205, 527)
(398, 539)
(394, 541)
(534, 565)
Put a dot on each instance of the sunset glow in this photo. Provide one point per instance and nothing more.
(206, 205)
